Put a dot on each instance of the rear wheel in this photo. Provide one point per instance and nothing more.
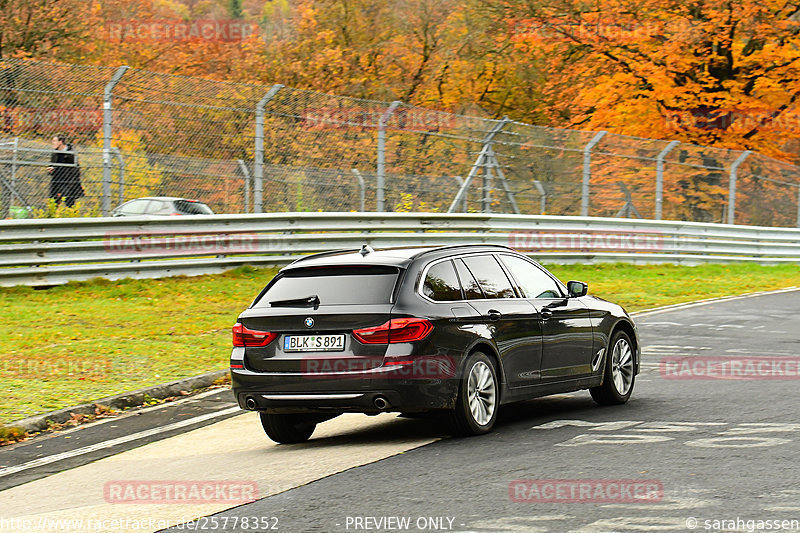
(478, 397)
(288, 429)
(618, 373)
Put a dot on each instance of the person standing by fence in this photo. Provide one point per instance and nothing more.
(65, 183)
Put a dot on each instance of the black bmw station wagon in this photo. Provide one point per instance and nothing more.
(454, 329)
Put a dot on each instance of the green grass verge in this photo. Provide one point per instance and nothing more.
(82, 341)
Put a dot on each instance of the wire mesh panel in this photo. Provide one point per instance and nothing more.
(137, 133)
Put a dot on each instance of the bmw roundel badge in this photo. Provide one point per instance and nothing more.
(309, 322)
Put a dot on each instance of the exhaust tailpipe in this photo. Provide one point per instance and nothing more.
(250, 403)
(381, 403)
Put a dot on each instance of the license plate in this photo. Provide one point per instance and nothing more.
(313, 343)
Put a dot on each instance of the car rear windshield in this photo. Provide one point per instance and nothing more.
(192, 208)
(347, 285)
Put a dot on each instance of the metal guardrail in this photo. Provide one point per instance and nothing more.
(54, 251)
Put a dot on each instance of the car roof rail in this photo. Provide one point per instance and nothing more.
(453, 246)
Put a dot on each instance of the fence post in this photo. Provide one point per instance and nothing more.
(246, 174)
(121, 190)
(362, 187)
(14, 162)
(660, 177)
(381, 177)
(542, 196)
(587, 171)
(798, 206)
(6, 210)
(732, 186)
(460, 181)
(107, 132)
(482, 160)
(258, 170)
(486, 194)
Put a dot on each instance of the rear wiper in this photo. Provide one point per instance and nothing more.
(310, 301)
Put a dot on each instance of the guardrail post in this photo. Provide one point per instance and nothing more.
(258, 185)
(732, 186)
(381, 177)
(660, 177)
(587, 171)
(107, 132)
(121, 190)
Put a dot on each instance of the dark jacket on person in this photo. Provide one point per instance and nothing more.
(66, 181)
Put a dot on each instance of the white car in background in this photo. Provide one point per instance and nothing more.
(161, 205)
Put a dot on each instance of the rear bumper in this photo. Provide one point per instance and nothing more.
(353, 392)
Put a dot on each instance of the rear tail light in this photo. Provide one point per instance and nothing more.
(243, 336)
(394, 331)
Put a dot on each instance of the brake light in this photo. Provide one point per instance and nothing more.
(394, 331)
(243, 336)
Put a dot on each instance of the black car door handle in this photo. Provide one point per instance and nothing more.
(494, 314)
(546, 313)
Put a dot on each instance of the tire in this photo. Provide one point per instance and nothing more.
(478, 397)
(618, 372)
(288, 429)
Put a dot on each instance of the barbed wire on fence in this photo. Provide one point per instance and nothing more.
(255, 148)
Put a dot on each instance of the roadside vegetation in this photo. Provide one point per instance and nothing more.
(83, 341)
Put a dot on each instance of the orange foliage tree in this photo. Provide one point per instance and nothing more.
(724, 74)
(716, 73)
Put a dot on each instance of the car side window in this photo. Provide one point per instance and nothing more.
(155, 207)
(490, 275)
(441, 283)
(135, 207)
(533, 282)
(471, 288)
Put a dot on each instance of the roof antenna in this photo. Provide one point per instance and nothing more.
(366, 249)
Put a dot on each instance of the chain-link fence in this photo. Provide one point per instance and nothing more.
(253, 148)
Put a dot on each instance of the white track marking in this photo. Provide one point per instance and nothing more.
(114, 442)
(688, 305)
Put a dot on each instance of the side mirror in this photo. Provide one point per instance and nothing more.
(577, 289)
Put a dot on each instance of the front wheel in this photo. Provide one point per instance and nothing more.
(478, 397)
(288, 429)
(618, 373)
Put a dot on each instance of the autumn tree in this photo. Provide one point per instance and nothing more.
(43, 28)
(717, 73)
